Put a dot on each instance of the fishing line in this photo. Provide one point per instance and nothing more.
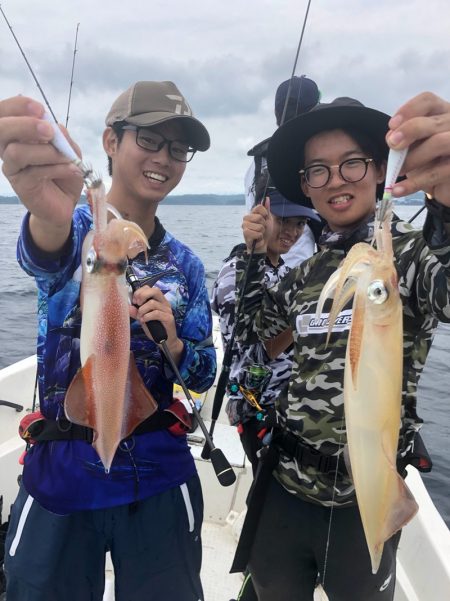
(59, 141)
(333, 496)
(283, 116)
(71, 75)
(29, 66)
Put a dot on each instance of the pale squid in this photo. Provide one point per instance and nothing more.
(107, 394)
(373, 384)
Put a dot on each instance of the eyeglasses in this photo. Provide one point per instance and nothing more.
(151, 140)
(351, 170)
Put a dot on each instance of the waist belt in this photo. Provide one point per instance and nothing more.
(307, 456)
(36, 428)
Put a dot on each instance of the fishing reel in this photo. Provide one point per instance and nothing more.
(256, 377)
(253, 381)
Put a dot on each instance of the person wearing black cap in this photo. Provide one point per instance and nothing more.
(147, 511)
(293, 97)
(334, 158)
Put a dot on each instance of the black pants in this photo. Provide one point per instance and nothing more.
(155, 548)
(289, 550)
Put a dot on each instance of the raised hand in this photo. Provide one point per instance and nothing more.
(47, 183)
(423, 124)
(255, 228)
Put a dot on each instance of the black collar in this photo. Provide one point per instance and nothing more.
(158, 234)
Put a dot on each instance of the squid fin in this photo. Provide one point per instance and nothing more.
(401, 507)
(79, 399)
(140, 404)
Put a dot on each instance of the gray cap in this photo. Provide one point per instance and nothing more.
(148, 103)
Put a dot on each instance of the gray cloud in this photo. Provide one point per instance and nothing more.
(227, 59)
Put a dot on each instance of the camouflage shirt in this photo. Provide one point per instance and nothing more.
(312, 407)
(223, 303)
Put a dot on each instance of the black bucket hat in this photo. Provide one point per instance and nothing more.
(285, 156)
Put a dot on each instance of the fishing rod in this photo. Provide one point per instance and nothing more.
(156, 331)
(71, 75)
(28, 65)
(422, 208)
(59, 141)
(228, 353)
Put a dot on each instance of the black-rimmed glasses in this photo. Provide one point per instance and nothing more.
(151, 140)
(351, 170)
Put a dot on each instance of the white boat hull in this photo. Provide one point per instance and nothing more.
(423, 560)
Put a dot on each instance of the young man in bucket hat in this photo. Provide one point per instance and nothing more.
(334, 157)
(148, 510)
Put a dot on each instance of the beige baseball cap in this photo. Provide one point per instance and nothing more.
(148, 103)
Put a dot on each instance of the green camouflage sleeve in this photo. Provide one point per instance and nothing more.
(433, 279)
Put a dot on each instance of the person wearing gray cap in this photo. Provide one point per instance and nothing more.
(147, 511)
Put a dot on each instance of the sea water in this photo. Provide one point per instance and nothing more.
(211, 232)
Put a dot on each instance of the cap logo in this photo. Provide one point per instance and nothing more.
(178, 107)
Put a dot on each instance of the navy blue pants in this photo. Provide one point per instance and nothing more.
(289, 550)
(155, 548)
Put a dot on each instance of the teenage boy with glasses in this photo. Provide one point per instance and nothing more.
(148, 510)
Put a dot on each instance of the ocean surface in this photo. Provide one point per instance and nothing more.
(211, 231)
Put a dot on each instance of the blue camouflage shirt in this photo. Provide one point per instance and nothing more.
(66, 476)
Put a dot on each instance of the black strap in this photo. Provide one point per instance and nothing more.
(46, 429)
(307, 456)
(269, 457)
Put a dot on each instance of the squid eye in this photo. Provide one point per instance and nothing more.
(91, 260)
(377, 292)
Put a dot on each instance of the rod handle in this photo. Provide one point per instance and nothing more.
(223, 469)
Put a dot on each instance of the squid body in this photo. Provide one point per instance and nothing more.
(373, 385)
(107, 394)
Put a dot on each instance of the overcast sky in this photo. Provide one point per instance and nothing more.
(227, 57)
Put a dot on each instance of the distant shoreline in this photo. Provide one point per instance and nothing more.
(184, 199)
(209, 199)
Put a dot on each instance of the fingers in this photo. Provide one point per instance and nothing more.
(20, 106)
(254, 227)
(21, 122)
(423, 125)
(150, 299)
(27, 130)
(17, 157)
(423, 116)
(145, 293)
(434, 179)
(153, 306)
